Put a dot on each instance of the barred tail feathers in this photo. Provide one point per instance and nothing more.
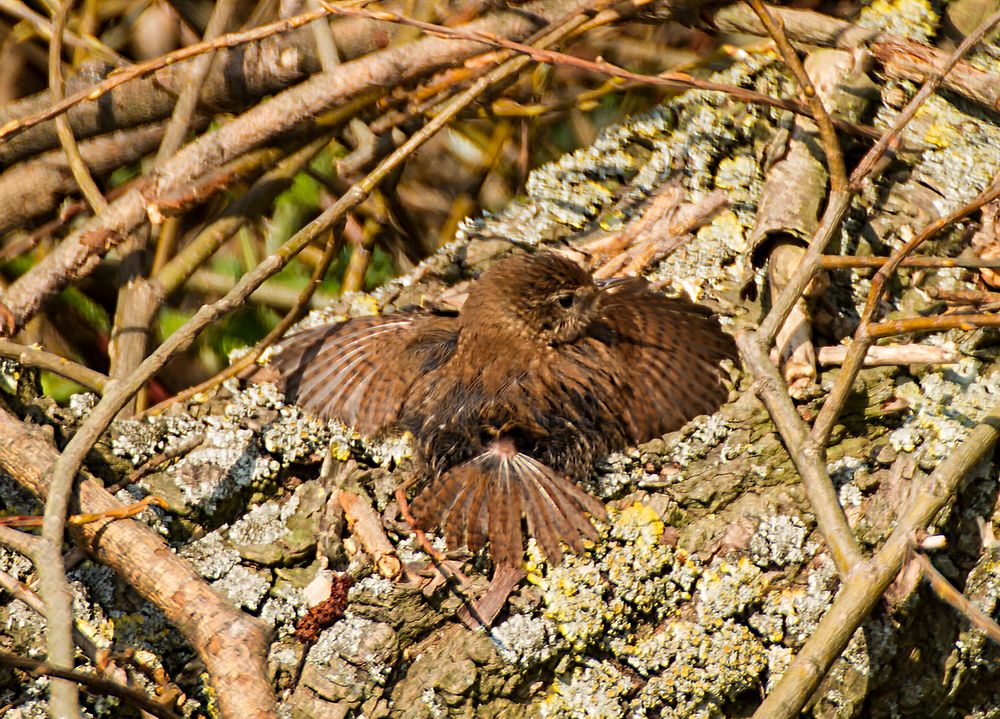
(486, 496)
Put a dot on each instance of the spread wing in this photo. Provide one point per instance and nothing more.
(360, 371)
(669, 351)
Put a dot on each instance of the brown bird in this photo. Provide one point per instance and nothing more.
(543, 372)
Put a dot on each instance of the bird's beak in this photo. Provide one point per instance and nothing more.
(612, 282)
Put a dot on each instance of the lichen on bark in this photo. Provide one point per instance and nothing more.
(710, 573)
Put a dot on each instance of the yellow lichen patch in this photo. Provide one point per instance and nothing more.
(595, 690)
(735, 173)
(638, 523)
(916, 19)
(340, 452)
(940, 135)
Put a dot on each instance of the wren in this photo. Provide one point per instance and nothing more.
(542, 372)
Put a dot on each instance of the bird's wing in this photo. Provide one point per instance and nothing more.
(669, 351)
(361, 370)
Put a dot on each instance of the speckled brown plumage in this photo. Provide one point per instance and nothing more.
(542, 373)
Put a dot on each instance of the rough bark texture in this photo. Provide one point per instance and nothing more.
(710, 573)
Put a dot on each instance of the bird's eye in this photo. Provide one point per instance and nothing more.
(565, 301)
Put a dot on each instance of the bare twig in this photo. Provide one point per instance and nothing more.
(182, 266)
(891, 355)
(664, 227)
(841, 262)
(64, 695)
(361, 254)
(366, 525)
(91, 681)
(890, 328)
(828, 135)
(326, 44)
(293, 315)
(32, 357)
(958, 601)
(271, 294)
(20, 542)
(677, 80)
(187, 102)
(963, 297)
(44, 29)
(23, 593)
(425, 544)
(73, 157)
(149, 67)
(833, 215)
(805, 454)
(125, 512)
(30, 190)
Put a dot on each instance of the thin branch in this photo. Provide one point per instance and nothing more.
(827, 133)
(32, 357)
(958, 601)
(64, 699)
(326, 43)
(43, 27)
(74, 159)
(184, 264)
(132, 72)
(769, 386)
(676, 80)
(843, 262)
(154, 463)
(891, 355)
(187, 102)
(293, 315)
(23, 593)
(20, 542)
(890, 328)
(91, 681)
(881, 278)
(836, 209)
(31, 190)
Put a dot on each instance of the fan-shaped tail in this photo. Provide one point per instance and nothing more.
(486, 496)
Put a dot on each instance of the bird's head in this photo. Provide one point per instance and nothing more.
(544, 297)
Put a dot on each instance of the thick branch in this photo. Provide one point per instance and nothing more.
(232, 645)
